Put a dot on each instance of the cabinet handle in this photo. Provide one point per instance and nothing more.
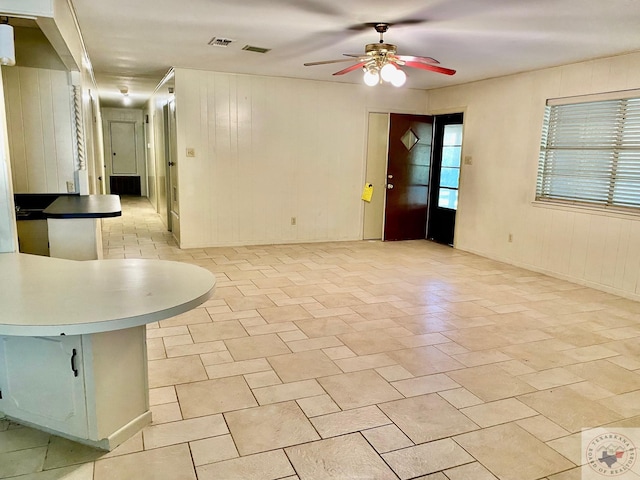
(73, 363)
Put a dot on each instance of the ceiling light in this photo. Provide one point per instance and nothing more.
(371, 77)
(388, 71)
(399, 78)
(7, 44)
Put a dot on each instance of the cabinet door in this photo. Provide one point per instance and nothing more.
(42, 382)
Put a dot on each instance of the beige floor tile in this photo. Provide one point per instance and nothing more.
(132, 445)
(502, 448)
(542, 428)
(378, 311)
(177, 340)
(605, 374)
(21, 439)
(195, 348)
(427, 418)
(358, 389)
(158, 396)
(337, 353)
(425, 360)
(366, 343)
(209, 397)
(260, 346)
(63, 452)
(569, 410)
(318, 405)
(167, 412)
(289, 313)
(287, 391)
(490, 382)
(484, 357)
(169, 463)
(394, 372)
(626, 404)
(322, 327)
(216, 358)
(569, 446)
(210, 332)
(214, 449)
(252, 302)
(364, 362)
(425, 459)
(231, 369)
(469, 471)
(303, 365)
(262, 379)
(344, 457)
(166, 332)
(552, 378)
(349, 421)
(460, 397)
(292, 335)
(269, 427)
(270, 328)
(387, 438)
(587, 354)
(421, 385)
(501, 411)
(262, 466)
(183, 431)
(22, 462)
(423, 340)
(314, 344)
(74, 472)
(173, 371)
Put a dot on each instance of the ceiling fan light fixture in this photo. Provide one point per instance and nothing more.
(371, 77)
(399, 78)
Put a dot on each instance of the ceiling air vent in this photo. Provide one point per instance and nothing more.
(220, 42)
(251, 48)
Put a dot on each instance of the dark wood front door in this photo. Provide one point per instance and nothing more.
(408, 177)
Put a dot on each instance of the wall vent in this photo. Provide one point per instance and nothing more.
(251, 48)
(220, 42)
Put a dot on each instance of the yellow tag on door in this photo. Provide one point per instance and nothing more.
(367, 192)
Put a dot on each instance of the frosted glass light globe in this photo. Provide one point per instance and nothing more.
(371, 77)
(399, 78)
(388, 71)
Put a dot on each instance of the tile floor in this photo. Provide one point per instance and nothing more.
(361, 360)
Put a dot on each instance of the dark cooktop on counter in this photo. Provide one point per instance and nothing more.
(40, 206)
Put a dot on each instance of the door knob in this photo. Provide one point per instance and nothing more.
(389, 186)
(171, 164)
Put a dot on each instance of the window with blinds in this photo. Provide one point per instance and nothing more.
(590, 154)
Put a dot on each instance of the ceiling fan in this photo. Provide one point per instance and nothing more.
(381, 62)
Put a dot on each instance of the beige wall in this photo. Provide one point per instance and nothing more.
(502, 129)
(268, 149)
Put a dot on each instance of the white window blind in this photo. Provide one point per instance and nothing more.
(590, 153)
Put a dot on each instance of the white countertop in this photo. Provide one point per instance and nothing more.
(43, 296)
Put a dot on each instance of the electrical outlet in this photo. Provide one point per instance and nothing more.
(71, 187)
(191, 152)
(468, 160)
(294, 221)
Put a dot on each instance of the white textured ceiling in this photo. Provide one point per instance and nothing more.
(135, 42)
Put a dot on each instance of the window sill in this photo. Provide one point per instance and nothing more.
(578, 208)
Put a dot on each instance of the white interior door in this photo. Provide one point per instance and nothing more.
(123, 148)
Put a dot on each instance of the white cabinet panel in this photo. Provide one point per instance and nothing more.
(45, 387)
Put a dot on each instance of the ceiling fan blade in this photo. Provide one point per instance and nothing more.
(413, 58)
(351, 68)
(325, 62)
(433, 68)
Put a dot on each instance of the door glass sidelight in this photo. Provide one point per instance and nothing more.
(450, 171)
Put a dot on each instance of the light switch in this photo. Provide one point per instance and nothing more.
(191, 152)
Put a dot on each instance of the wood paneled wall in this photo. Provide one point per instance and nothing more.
(39, 117)
(502, 130)
(271, 149)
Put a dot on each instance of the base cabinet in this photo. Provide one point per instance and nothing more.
(89, 388)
